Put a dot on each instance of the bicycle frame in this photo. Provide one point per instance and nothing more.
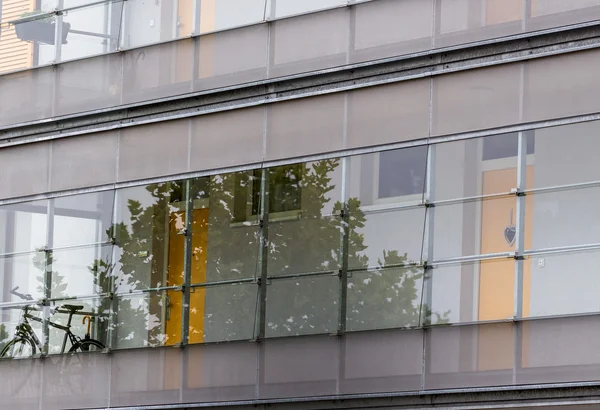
(24, 329)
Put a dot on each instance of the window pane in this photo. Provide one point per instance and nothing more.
(148, 236)
(304, 226)
(384, 238)
(388, 177)
(563, 218)
(9, 319)
(92, 307)
(563, 284)
(402, 172)
(384, 298)
(474, 227)
(472, 291)
(225, 229)
(83, 219)
(82, 271)
(23, 227)
(475, 167)
(566, 155)
(223, 313)
(302, 306)
(25, 271)
(146, 320)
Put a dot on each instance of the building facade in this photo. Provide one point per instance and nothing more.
(299, 204)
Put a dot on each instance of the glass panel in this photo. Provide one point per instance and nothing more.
(23, 227)
(154, 150)
(223, 313)
(474, 227)
(72, 314)
(385, 237)
(148, 240)
(390, 28)
(24, 170)
(304, 245)
(232, 57)
(310, 42)
(24, 272)
(573, 95)
(566, 155)
(27, 95)
(83, 271)
(225, 232)
(89, 84)
(225, 14)
(305, 126)
(83, 219)
(90, 31)
(390, 113)
(284, 8)
(10, 318)
(478, 166)
(148, 23)
(563, 284)
(556, 13)
(146, 320)
(85, 161)
(382, 362)
(461, 101)
(465, 21)
(163, 70)
(563, 218)
(481, 355)
(388, 178)
(302, 306)
(230, 138)
(384, 298)
(472, 291)
(304, 222)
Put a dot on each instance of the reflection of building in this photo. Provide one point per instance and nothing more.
(391, 202)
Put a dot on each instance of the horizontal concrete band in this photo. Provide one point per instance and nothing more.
(487, 53)
(555, 396)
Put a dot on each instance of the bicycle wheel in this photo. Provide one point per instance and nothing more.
(19, 347)
(87, 345)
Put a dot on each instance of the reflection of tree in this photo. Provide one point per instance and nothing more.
(4, 337)
(306, 240)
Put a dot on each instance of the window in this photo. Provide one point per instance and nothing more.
(505, 146)
(402, 172)
(285, 191)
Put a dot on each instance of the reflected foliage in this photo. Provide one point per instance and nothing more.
(305, 231)
(4, 337)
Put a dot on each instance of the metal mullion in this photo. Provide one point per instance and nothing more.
(187, 273)
(188, 250)
(427, 257)
(149, 290)
(222, 283)
(519, 249)
(344, 249)
(259, 331)
(303, 274)
(563, 249)
(47, 273)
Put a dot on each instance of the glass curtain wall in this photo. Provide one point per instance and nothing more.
(404, 238)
